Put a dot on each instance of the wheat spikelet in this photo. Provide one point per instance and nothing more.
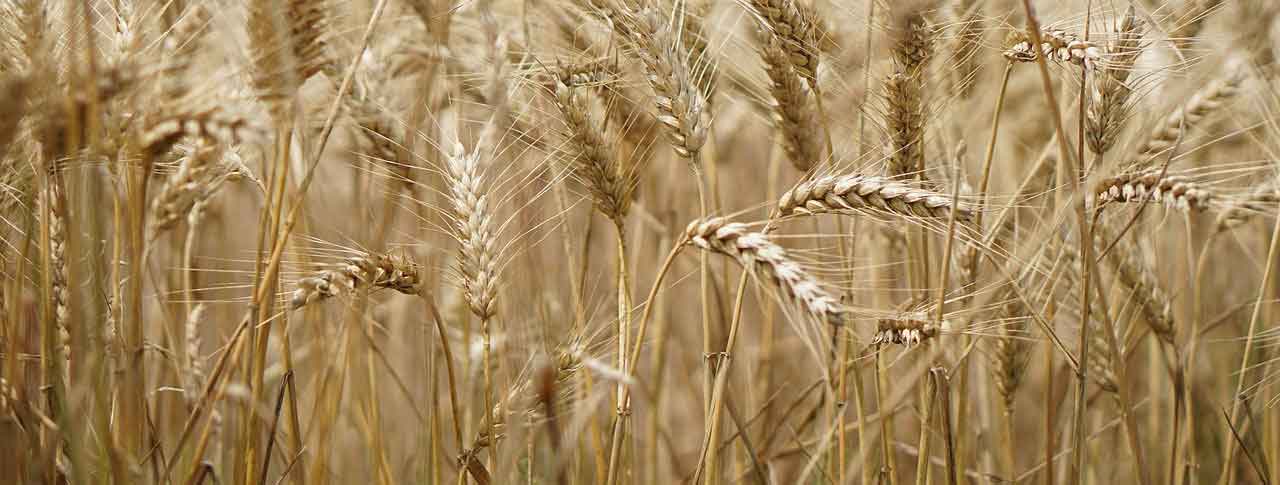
(1109, 96)
(835, 193)
(478, 261)
(55, 203)
(195, 373)
(201, 119)
(592, 73)
(905, 90)
(1153, 185)
(908, 330)
(904, 119)
(373, 271)
(1057, 45)
(1102, 361)
(755, 251)
(911, 38)
(694, 36)
(1188, 20)
(792, 108)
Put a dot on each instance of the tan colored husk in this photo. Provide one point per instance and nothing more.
(1264, 198)
(473, 221)
(1211, 98)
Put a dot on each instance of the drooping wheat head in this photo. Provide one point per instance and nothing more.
(755, 251)
(363, 270)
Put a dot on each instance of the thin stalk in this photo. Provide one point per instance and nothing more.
(710, 446)
(886, 428)
(624, 318)
(1067, 160)
(922, 447)
(625, 394)
(864, 454)
(1273, 255)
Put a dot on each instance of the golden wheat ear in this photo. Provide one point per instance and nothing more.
(754, 250)
(359, 271)
(286, 46)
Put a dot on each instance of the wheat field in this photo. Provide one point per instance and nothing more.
(639, 242)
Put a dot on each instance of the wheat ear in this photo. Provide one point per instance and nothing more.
(754, 250)
(905, 90)
(1260, 200)
(870, 193)
(1056, 45)
(1209, 99)
(1154, 185)
(1110, 93)
(796, 28)
(677, 86)
(792, 105)
(362, 270)
(595, 159)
